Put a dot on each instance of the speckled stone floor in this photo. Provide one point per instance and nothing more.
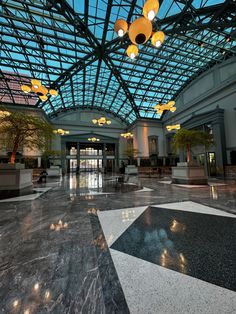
(54, 257)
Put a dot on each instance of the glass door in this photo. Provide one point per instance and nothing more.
(90, 164)
(211, 164)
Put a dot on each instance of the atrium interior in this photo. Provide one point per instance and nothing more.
(118, 156)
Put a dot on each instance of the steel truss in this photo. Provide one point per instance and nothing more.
(71, 46)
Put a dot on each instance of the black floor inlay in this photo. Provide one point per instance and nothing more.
(199, 245)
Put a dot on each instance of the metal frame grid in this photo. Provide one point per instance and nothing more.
(71, 46)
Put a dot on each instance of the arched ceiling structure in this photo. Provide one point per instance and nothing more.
(71, 46)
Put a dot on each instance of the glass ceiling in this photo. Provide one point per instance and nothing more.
(71, 46)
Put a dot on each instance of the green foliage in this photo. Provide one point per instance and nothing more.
(190, 138)
(52, 153)
(21, 129)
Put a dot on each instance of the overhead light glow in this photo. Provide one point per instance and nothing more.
(132, 51)
(120, 33)
(151, 15)
(141, 29)
(101, 121)
(158, 39)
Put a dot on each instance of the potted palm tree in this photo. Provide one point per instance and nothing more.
(19, 129)
(189, 172)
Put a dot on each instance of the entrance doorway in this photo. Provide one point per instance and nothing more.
(90, 164)
(211, 164)
(73, 165)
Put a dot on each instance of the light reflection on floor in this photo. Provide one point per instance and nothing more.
(90, 180)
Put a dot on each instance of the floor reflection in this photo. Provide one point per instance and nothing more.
(199, 245)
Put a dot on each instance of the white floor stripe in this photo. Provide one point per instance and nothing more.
(152, 289)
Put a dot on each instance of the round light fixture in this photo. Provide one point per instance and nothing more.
(35, 83)
(140, 31)
(171, 103)
(43, 97)
(121, 27)
(132, 51)
(26, 89)
(158, 39)
(53, 92)
(150, 9)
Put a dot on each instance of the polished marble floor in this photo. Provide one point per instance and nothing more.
(67, 250)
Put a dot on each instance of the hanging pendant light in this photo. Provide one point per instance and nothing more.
(132, 51)
(35, 83)
(140, 31)
(121, 27)
(42, 91)
(43, 97)
(26, 89)
(39, 89)
(150, 9)
(173, 127)
(53, 92)
(158, 39)
(172, 109)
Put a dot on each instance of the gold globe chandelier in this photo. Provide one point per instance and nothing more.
(127, 135)
(61, 132)
(93, 139)
(173, 127)
(141, 29)
(39, 89)
(162, 107)
(101, 121)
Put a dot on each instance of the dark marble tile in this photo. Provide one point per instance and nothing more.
(199, 245)
(74, 273)
(112, 292)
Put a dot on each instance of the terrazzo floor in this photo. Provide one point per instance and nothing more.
(71, 250)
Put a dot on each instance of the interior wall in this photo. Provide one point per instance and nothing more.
(217, 87)
(80, 122)
(144, 128)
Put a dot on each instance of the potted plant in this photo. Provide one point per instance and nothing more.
(131, 153)
(189, 172)
(20, 129)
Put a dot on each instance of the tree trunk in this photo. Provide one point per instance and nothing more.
(188, 153)
(14, 151)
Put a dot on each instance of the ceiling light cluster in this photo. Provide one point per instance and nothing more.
(127, 135)
(141, 29)
(93, 139)
(61, 132)
(173, 127)
(101, 121)
(39, 89)
(170, 106)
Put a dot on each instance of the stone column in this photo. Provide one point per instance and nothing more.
(39, 161)
(104, 157)
(78, 158)
(117, 156)
(63, 157)
(220, 148)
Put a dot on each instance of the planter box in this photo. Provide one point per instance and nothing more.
(131, 169)
(54, 171)
(15, 180)
(186, 173)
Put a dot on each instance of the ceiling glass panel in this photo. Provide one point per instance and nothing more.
(71, 45)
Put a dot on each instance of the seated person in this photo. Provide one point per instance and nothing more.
(43, 177)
